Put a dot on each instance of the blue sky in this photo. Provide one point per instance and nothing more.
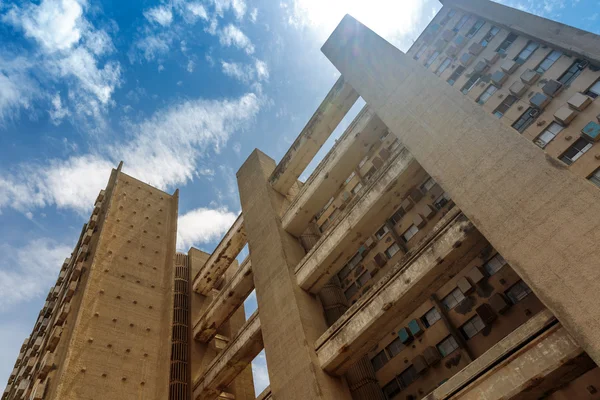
(181, 91)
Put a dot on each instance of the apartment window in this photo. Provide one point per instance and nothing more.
(391, 389)
(356, 188)
(470, 84)
(395, 347)
(594, 90)
(350, 265)
(397, 216)
(494, 264)
(441, 201)
(452, 299)
(475, 28)
(463, 20)
(381, 232)
(379, 360)
(518, 292)
(426, 187)
(577, 149)
(573, 72)
(351, 291)
(595, 177)
(526, 52)
(410, 232)
(489, 92)
(472, 327)
(489, 36)
(548, 134)
(455, 75)
(447, 17)
(447, 346)
(392, 250)
(431, 317)
(526, 119)
(506, 43)
(505, 105)
(408, 376)
(420, 52)
(548, 61)
(348, 179)
(432, 58)
(364, 278)
(443, 66)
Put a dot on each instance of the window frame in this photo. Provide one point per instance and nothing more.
(594, 177)
(514, 299)
(432, 58)
(580, 152)
(427, 185)
(460, 23)
(387, 251)
(426, 322)
(594, 90)
(474, 325)
(351, 290)
(455, 75)
(494, 30)
(522, 60)
(397, 215)
(525, 123)
(378, 357)
(412, 234)
(394, 390)
(453, 295)
(504, 103)
(395, 347)
(493, 270)
(542, 143)
(482, 99)
(443, 342)
(474, 28)
(443, 66)
(572, 72)
(541, 68)
(383, 228)
(408, 376)
(507, 42)
(420, 52)
(472, 81)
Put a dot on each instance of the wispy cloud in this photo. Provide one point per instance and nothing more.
(161, 15)
(246, 73)
(202, 225)
(254, 15)
(260, 373)
(231, 35)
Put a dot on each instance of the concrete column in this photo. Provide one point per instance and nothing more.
(291, 319)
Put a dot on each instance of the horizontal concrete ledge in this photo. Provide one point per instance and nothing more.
(493, 356)
(361, 218)
(451, 245)
(332, 110)
(542, 366)
(229, 299)
(332, 172)
(220, 259)
(231, 361)
(266, 394)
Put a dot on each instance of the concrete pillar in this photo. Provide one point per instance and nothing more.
(291, 319)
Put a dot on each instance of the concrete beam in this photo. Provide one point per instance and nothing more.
(525, 202)
(570, 40)
(229, 299)
(544, 365)
(360, 220)
(500, 351)
(231, 361)
(220, 259)
(333, 171)
(451, 245)
(265, 394)
(332, 110)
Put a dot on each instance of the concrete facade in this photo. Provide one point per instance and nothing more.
(444, 248)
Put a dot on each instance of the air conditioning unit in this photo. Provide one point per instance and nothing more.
(419, 221)
(466, 59)
(552, 88)
(492, 58)
(475, 275)
(452, 51)
(591, 131)
(476, 49)
(565, 115)
(480, 67)
(518, 88)
(460, 41)
(579, 101)
(406, 204)
(509, 66)
(540, 100)
(415, 328)
(464, 285)
(448, 35)
(432, 355)
(405, 336)
(583, 64)
(486, 313)
(499, 304)
(499, 77)
(440, 44)
(420, 364)
(530, 76)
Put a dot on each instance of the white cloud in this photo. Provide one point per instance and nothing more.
(161, 15)
(18, 89)
(237, 6)
(262, 70)
(194, 11)
(254, 15)
(190, 66)
(154, 46)
(260, 373)
(58, 112)
(237, 148)
(246, 73)
(29, 271)
(202, 226)
(231, 35)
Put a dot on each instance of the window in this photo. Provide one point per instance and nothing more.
(452, 300)
(408, 376)
(441, 201)
(506, 43)
(351, 291)
(489, 92)
(489, 36)
(426, 187)
(348, 179)
(391, 389)
(572, 73)
(381, 232)
(350, 265)
(505, 105)
(460, 23)
(472, 327)
(392, 250)
(577, 149)
(420, 52)
(447, 346)
(455, 75)
(450, 14)
(548, 61)
(526, 52)
(432, 58)
(475, 28)
(594, 90)
(595, 177)
(395, 347)
(518, 292)
(548, 134)
(431, 317)
(443, 66)
(397, 216)
(379, 360)
(356, 188)
(526, 119)
(494, 264)
(473, 80)
(364, 279)
(410, 232)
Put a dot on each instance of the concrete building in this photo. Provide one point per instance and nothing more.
(445, 248)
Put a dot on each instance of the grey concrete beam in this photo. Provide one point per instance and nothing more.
(332, 172)
(360, 219)
(525, 202)
(332, 110)
(220, 259)
(224, 304)
(265, 394)
(449, 247)
(230, 362)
